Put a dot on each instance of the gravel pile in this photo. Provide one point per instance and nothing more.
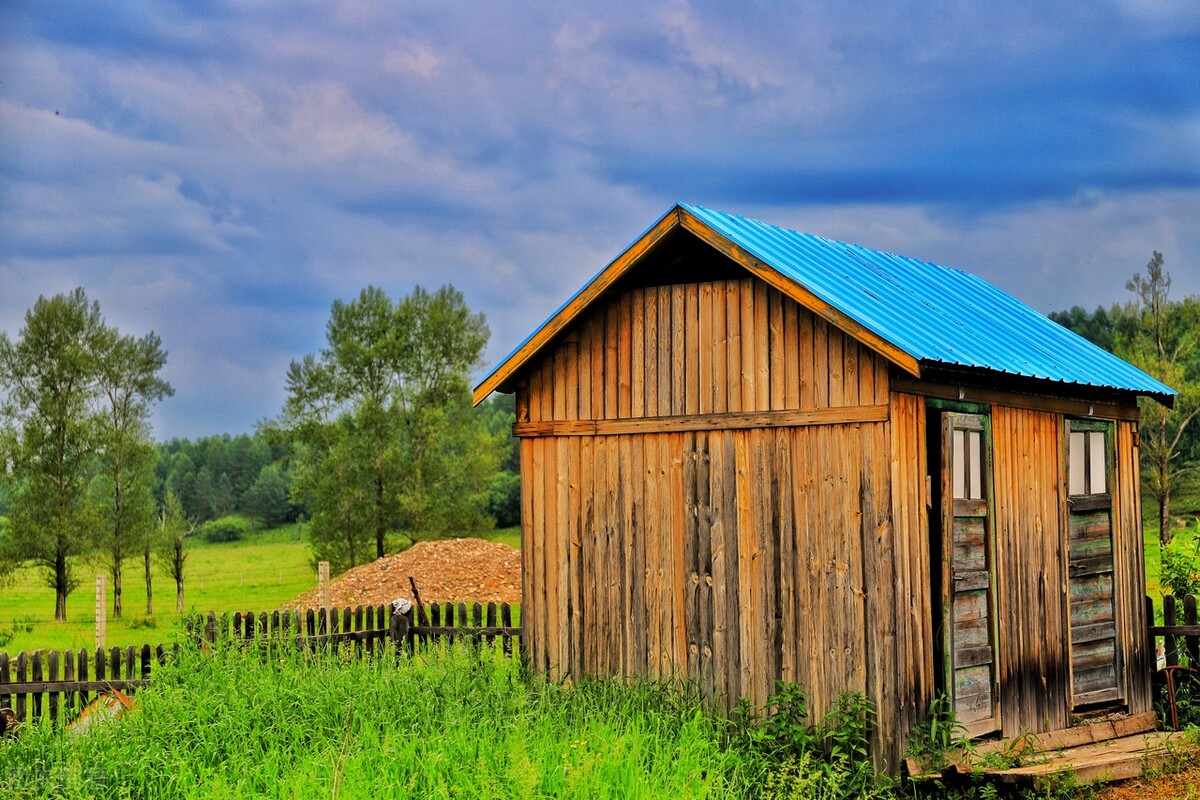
(450, 570)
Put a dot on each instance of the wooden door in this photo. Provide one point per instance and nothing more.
(1096, 658)
(968, 573)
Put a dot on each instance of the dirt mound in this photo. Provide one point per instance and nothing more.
(450, 570)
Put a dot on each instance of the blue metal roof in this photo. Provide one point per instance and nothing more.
(936, 314)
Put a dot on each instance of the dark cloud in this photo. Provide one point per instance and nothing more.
(220, 172)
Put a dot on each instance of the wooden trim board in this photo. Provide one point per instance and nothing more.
(703, 422)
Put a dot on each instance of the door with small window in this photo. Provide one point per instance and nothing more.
(969, 594)
(1096, 659)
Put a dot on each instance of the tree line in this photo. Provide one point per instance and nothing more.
(1161, 336)
(377, 446)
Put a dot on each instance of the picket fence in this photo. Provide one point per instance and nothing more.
(60, 684)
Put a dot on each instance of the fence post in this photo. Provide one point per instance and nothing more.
(399, 630)
(1170, 641)
(101, 611)
(323, 584)
(1191, 643)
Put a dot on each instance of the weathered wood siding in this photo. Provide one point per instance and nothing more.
(916, 675)
(708, 348)
(1032, 570)
(733, 556)
(1032, 529)
(1130, 576)
(719, 484)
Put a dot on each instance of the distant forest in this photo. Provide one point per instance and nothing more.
(247, 474)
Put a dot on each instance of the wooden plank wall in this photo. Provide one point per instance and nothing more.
(1031, 565)
(916, 678)
(733, 557)
(1129, 575)
(721, 346)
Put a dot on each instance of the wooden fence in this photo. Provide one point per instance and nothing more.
(60, 684)
(1180, 631)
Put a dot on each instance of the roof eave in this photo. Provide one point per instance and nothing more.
(500, 376)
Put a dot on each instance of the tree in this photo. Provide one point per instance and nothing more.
(330, 478)
(384, 407)
(1163, 339)
(128, 382)
(49, 375)
(268, 499)
(1098, 327)
(174, 528)
(504, 494)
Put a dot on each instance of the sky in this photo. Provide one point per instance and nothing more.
(221, 172)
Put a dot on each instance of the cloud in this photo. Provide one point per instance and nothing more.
(221, 172)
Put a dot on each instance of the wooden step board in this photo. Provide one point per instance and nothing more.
(1102, 751)
(1100, 762)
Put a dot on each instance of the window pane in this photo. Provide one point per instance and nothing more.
(1096, 465)
(958, 457)
(1077, 469)
(976, 461)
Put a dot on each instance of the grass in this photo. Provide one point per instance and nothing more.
(1185, 507)
(262, 571)
(509, 536)
(232, 723)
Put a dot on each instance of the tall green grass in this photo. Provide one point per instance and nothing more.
(449, 722)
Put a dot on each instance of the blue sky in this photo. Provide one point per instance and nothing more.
(220, 172)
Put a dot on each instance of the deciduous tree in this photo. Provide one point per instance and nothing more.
(49, 374)
(385, 408)
(1163, 339)
(173, 529)
(127, 383)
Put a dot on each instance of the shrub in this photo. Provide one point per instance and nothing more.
(1181, 566)
(226, 529)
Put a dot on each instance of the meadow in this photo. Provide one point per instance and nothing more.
(258, 573)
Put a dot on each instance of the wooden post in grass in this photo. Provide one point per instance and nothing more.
(323, 584)
(101, 611)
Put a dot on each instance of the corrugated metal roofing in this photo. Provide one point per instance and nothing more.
(936, 315)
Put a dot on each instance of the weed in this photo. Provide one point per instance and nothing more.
(1019, 751)
(1062, 785)
(1181, 566)
(798, 759)
(938, 735)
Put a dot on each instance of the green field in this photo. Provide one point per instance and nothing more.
(259, 573)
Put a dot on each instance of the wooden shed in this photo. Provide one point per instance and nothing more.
(751, 454)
